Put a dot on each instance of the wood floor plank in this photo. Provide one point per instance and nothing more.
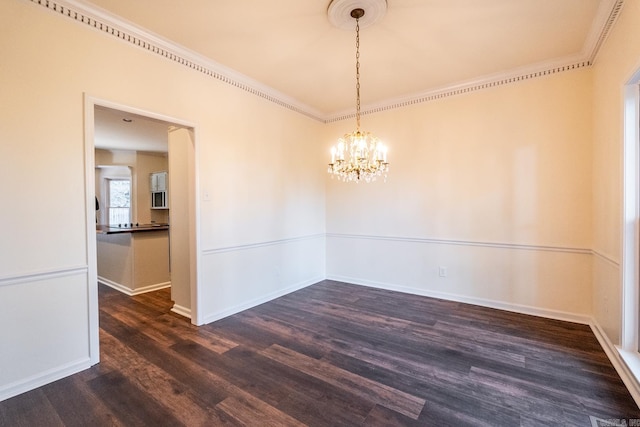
(253, 412)
(448, 414)
(554, 348)
(381, 394)
(294, 336)
(283, 387)
(29, 409)
(359, 356)
(145, 324)
(130, 404)
(332, 354)
(202, 336)
(385, 417)
(442, 389)
(173, 395)
(76, 405)
(545, 394)
(382, 341)
(189, 374)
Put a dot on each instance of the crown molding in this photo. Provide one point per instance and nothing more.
(113, 25)
(604, 21)
(602, 25)
(489, 81)
(129, 32)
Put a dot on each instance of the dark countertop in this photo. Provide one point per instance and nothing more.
(128, 228)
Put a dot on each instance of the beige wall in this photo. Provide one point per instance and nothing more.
(494, 185)
(140, 165)
(618, 60)
(510, 188)
(507, 165)
(146, 163)
(256, 159)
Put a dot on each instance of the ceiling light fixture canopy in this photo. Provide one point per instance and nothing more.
(358, 156)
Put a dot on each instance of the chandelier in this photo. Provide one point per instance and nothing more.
(358, 156)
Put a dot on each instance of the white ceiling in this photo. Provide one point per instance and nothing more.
(118, 130)
(418, 46)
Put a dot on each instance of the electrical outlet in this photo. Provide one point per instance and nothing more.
(442, 271)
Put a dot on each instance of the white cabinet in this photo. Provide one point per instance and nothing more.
(158, 184)
(158, 181)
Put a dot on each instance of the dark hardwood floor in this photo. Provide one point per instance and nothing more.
(332, 354)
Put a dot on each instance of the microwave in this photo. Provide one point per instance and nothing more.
(159, 200)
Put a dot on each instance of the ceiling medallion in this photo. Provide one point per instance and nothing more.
(339, 13)
(358, 156)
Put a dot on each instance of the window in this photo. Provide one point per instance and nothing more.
(629, 348)
(119, 201)
(630, 267)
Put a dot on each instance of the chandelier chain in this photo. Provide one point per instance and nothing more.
(358, 74)
(358, 156)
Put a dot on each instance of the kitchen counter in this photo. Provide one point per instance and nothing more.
(134, 259)
(129, 228)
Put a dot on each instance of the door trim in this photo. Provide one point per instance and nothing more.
(90, 102)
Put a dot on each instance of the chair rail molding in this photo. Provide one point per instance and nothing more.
(36, 276)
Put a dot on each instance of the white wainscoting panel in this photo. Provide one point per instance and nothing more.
(607, 294)
(53, 307)
(241, 277)
(544, 281)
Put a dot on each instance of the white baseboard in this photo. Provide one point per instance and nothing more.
(617, 359)
(44, 378)
(500, 305)
(131, 292)
(182, 311)
(212, 317)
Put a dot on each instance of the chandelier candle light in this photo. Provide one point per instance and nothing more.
(358, 155)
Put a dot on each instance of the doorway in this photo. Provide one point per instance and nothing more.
(180, 217)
